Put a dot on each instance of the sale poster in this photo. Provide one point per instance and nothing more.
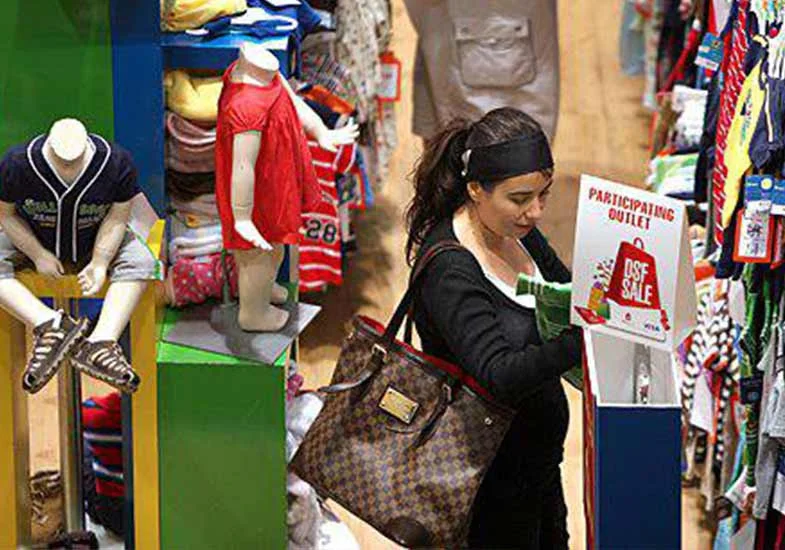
(632, 265)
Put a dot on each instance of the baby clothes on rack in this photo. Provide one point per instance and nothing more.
(736, 45)
(194, 280)
(320, 251)
(190, 147)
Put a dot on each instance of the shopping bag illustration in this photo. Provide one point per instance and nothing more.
(634, 294)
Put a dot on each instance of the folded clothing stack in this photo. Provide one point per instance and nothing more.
(198, 267)
(190, 146)
(182, 15)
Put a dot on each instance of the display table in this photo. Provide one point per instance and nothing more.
(221, 451)
(14, 445)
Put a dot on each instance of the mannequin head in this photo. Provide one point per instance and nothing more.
(68, 139)
(258, 57)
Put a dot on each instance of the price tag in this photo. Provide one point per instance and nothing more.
(778, 198)
(390, 89)
(710, 52)
(759, 192)
(754, 236)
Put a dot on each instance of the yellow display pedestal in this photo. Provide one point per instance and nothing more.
(14, 444)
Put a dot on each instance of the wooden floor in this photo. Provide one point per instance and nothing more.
(602, 131)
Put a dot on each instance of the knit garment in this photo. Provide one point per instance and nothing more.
(363, 30)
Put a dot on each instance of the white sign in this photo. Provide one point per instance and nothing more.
(632, 265)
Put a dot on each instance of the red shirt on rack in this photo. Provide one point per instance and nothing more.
(285, 185)
(320, 251)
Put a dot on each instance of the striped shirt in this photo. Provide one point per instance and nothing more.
(320, 249)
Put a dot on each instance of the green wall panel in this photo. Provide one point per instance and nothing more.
(56, 60)
(222, 456)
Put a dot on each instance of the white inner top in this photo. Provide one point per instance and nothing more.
(525, 300)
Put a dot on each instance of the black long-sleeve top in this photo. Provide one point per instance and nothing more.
(463, 318)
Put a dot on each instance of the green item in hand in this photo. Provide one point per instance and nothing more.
(553, 304)
(552, 314)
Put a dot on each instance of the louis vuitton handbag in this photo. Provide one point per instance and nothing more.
(404, 440)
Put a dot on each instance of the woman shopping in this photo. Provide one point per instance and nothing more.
(485, 184)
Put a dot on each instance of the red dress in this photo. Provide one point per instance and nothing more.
(285, 183)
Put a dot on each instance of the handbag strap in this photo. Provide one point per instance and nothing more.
(385, 341)
(415, 282)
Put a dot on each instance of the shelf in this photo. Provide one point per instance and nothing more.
(185, 51)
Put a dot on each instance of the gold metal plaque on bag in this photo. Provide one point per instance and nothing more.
(398, 405)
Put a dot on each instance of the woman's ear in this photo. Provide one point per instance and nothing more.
(475, 190)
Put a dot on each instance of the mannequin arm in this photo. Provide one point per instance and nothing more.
(245, 153)
(107, 243)
(328, 139)
(25, 240)
(111, 233)
(19, 232)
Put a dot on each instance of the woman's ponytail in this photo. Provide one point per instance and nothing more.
(439, 189)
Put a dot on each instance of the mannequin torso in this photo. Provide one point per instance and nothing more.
(68, 172)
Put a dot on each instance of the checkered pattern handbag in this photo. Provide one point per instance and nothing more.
(404, 439)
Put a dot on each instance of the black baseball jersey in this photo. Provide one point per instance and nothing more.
(66, 218)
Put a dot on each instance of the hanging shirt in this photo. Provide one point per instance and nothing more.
(737, 150)
(320, 251)
(285, 185)
(65, 218)
(736, 45)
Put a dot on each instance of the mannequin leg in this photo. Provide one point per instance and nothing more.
(257, 271)
(17, 300)
(119, 304)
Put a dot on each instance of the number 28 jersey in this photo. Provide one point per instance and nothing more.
(320, 248)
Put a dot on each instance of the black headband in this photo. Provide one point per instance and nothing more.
(507, 159)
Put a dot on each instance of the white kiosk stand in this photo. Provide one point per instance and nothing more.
(634, 292)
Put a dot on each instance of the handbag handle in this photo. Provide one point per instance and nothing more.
(415, 282)
(386, 340)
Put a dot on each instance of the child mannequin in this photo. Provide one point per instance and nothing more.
(264, 177)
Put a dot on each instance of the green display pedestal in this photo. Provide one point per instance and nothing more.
(222, 437)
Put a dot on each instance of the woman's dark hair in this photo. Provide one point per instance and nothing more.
(439, 189)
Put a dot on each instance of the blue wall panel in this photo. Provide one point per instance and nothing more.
(138, 91)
